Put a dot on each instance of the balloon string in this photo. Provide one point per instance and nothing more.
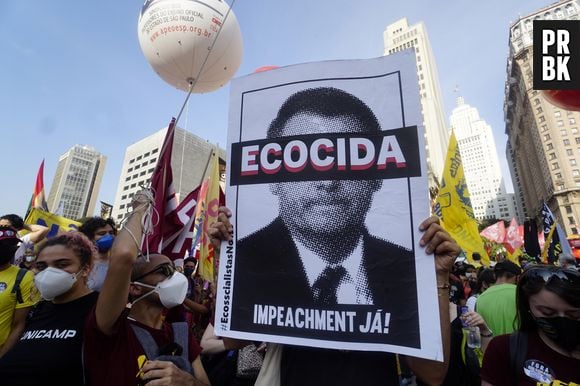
(193, 82)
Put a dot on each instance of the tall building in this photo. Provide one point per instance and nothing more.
(543, 140)
(489, 198)
(189, 159)
(76, 183)
(400, 36)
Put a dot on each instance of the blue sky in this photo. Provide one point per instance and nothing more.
(72, 72)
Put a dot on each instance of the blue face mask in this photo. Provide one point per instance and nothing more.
(105, 243)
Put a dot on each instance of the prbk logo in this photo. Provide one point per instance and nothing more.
(556, 54)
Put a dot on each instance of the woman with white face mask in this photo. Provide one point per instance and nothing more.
(49, 351)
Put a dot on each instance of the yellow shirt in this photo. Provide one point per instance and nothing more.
(8, 302)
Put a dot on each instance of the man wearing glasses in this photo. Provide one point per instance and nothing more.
(132, 346)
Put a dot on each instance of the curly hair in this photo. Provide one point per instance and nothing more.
(91, 224)
(75, 241)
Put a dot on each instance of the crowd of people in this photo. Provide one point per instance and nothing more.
(91, 309)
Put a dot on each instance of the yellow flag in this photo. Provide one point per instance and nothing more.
(207, 207)
(515, 257)
(453, 206)
(55, 223)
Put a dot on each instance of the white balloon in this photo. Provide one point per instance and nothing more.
(176, 36)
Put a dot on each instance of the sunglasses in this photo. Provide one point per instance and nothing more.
(548, 273)
(166, 269)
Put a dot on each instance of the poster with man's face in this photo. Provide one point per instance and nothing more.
(327, 183)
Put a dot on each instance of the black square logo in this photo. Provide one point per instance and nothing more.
(556, 54)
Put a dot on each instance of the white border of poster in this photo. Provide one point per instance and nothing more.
(388, 86)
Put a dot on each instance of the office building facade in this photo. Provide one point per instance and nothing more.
(189, 161)
(489, 198)
(543, 139)
(400, 36)
(75, 187)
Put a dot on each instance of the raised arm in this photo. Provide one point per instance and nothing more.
(37, 232)
(126, 247)
(436, 240)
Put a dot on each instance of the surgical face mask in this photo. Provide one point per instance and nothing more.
(188, 271)
(105, 243)
(565, 332)
(53, 282)
(171, 291)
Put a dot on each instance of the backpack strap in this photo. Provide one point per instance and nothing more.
(147, 342)
(518, 353)
(181, 337)
(16, 288)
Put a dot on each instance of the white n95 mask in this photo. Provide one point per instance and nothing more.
(53, 282)
(172, 291)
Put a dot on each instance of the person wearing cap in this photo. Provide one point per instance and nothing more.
(36, 233)
(497, 305)
(16, 291)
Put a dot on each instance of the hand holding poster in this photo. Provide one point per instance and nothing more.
(327, 184)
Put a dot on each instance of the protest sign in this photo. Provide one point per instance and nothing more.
(327, 183)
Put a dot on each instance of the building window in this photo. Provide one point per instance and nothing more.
(539, 110)
(542, 119)
(552, 156)
(557, 114)
(558, 176)
(135, 175)
(568, 209)
(573, 162)
(129, 170)
(576, 173)
(544, 128)
(555, 166)
(128, 178)
(546, 137)
(571, 220)
(146, 154)
(574, 130)
(572, 121)
(122, 206)
(133, 185)
(137, 167)
(142, 173)
(536, 101)
(577, 141)
(132, 160)
(549, 146)
(569, 152)
(563, 132)
(123, 197)
(560, 123)
(150, 170)
(138, 158)
(126, 188)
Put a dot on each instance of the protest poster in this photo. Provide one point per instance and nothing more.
(327, 183)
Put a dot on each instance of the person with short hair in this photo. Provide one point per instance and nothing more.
(497, 305)
(50, 349)
(545, 349)
(100, 231)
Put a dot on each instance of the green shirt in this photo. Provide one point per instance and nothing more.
(497, 306)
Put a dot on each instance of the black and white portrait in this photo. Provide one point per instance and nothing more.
(324, 177)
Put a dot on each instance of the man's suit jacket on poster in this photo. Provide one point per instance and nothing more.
(269, 271)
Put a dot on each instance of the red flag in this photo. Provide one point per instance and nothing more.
(513, 239)
(38, 200)
(178, 235)
(495, 232)
(165, 200)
